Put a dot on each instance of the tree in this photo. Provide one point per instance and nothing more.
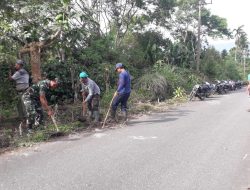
(238, 33)
(34, 50)
(224, 54)
(184, 24)
(29, 22)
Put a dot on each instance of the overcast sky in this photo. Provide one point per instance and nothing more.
(237, 13)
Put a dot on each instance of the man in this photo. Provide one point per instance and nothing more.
(91, 96)
(123, 91)
(35, 101)
(21, 77)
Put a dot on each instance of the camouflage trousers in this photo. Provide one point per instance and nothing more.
(94, 103)
(93, 107)
(33, 112)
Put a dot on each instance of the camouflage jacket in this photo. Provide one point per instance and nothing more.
(40, 88)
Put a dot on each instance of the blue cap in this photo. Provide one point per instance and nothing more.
(83, 75)
(118, 65)
(20, 62)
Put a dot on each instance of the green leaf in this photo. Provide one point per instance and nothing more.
(65, 2)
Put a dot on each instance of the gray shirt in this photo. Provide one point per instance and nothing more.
(22, 79)
(92, 88)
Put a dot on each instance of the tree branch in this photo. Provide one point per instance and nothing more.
(50, 40)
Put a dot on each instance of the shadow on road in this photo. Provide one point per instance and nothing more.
(168, 116)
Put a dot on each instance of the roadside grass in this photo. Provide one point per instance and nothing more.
(10, 139)
(68, 123)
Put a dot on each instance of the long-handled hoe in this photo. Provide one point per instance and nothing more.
(54, 121)
(108, 111)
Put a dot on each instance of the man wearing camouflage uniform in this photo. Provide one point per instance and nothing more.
(35, 101)
(91, 96)
(21, 77)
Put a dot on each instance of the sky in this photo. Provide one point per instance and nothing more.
(237, 13)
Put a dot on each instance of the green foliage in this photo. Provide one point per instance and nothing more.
(106, 99)
(7, 90)
(7, 133)
(154, 85)
(176, 77)
(216, 67)
(65, 2)
(39, 136)
(192, 80)
(231, 71)
(179, 92)
(210, 63)
(67, 73)
(99, 50)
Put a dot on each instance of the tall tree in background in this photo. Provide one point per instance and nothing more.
(238, 33)
(184, 24)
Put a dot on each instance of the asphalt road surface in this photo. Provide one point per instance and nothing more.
(200, 145)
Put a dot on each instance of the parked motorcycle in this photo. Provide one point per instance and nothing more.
(220, 87)
(196, 92)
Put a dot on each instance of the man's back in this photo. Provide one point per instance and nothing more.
(21, 78)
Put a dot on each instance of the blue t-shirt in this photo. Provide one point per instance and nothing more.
(124, 83)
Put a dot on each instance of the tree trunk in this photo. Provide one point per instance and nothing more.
(35, 62)
(34, 50)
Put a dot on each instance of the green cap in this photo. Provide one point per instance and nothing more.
(83, 75)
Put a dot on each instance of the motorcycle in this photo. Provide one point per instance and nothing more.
(202, 91)
(196, 92)
(220, 87)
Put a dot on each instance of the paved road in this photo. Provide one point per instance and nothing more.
(196, 146)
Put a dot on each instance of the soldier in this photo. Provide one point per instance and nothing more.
(91, 96)
(21, 77)
(35, 101)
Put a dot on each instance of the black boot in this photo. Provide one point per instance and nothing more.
(29, 126)
(113, 116)
(124, 116)
(96, 115)
(90, 116)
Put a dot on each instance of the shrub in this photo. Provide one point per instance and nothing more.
(154, 85)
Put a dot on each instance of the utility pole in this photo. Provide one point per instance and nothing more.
(198, 48)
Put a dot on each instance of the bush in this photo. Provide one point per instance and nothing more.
(154, 86)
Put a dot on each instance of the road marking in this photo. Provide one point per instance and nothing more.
(214, 102)
(25, 154)
(99, 135)
(142, 137)
(98, 130)
(244, 157)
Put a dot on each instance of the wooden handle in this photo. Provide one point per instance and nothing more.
(108, 110)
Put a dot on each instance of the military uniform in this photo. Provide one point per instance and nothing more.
(32, 104)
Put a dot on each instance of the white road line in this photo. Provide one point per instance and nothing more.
(99, 135)
(244, 157)
(142, 137)
(213, 102)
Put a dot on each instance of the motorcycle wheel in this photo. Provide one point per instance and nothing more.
(200, 97)
(191, 96)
